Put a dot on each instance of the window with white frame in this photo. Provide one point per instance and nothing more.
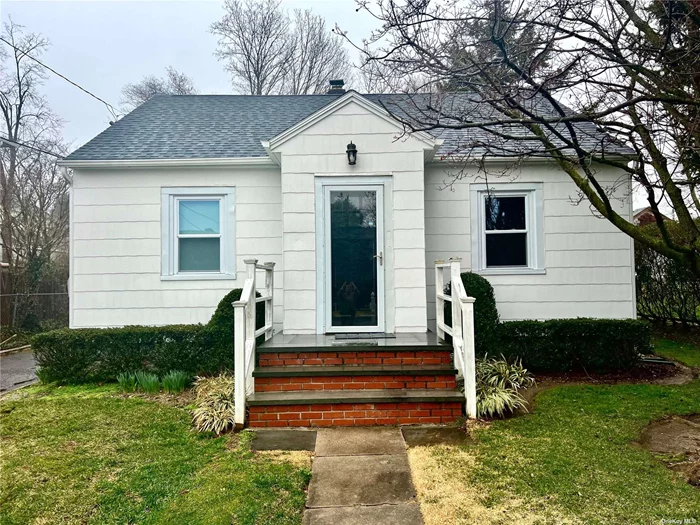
(507, 234)
(197, 233)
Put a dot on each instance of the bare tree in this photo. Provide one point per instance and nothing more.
(253, 43)
(268, 53)
(571, 80)
(316, 55)
(174, 83)
(34, 212)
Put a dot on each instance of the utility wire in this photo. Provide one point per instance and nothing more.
(14, 142)
(109, 106)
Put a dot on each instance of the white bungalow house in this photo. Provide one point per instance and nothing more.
(168, 203)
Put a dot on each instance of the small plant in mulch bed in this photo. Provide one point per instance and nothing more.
(498, 382)
(214, 404)
(147, 382)
(127, 381)
(175, 381)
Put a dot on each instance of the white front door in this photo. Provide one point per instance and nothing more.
(354, 258)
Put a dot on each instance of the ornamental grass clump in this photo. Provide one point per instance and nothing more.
(147, 382)
(498, 382)
(127, 381)
(175, 381)
(214, 404)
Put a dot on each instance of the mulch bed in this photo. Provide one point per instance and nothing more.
(641, 373)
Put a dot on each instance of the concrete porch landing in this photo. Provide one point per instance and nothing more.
(282, 342)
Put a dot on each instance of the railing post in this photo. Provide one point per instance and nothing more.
(269, 292)
(439, 302)
(455, 277)
(469, 355)
(251, 317)
(239, 386)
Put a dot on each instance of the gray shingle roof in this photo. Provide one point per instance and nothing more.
(230, 126)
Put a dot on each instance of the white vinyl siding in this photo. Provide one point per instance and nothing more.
(319, 151)
(116, 252)
(587, 267)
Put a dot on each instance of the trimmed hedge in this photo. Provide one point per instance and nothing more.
(564, 345)
(100, 354)
(486, 318)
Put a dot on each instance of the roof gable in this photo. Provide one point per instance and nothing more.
(430, 142)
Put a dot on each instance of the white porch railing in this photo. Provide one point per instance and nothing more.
(462, 329)
(245, 334)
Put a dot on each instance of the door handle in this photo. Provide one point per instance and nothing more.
(379, 256)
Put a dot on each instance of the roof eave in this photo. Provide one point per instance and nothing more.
(167, 163)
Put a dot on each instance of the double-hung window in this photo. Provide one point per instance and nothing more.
(507, 232)
(198, 236)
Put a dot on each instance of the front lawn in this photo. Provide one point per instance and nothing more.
(91, 455)
(573, 460)
(685, 353)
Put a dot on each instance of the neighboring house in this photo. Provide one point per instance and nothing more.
(168, 202)
(644, 216)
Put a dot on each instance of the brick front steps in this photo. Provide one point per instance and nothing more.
(355, 356)
(295, 378)
(323, 409)
(317, 381)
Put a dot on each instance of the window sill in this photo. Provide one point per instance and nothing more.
(512, 271)
(200, 277)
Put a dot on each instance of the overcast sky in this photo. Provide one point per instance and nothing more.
(103, 45)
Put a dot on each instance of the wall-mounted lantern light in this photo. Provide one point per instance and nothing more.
(352, 154)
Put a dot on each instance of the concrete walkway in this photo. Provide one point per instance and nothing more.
(361, 476)
(17, 369)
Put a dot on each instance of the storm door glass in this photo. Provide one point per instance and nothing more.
(354, 258)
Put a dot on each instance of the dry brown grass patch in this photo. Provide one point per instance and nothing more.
(448, 496)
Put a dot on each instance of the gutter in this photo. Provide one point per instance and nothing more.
(167, 163)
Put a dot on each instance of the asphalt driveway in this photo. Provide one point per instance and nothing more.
(16, 370)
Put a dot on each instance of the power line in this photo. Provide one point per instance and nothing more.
(15, 143)
(109, 106)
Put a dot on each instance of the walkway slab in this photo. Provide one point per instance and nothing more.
(360, 441)
(284, 440)
(360, 480)
(402, 514)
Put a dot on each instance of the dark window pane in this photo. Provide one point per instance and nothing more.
(200, 255)
(505, 213)
(353, 265)
(506, 249)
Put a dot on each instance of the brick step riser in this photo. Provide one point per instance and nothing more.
(354, 358)
(292, 384)
(346, 414)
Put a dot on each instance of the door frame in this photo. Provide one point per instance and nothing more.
(324, 185)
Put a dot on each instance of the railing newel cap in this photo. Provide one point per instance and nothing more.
(439, 261)
(250, 261)
(455, 259)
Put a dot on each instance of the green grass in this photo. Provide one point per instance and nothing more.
(685, 353)
(90, 455)
(577, 450)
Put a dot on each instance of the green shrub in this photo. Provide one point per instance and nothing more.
(214, 404)
(497, 384)
(485, 312)
(86, 355)
(563, 345)
(147, 382)
(127, 381)
(175, 381)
